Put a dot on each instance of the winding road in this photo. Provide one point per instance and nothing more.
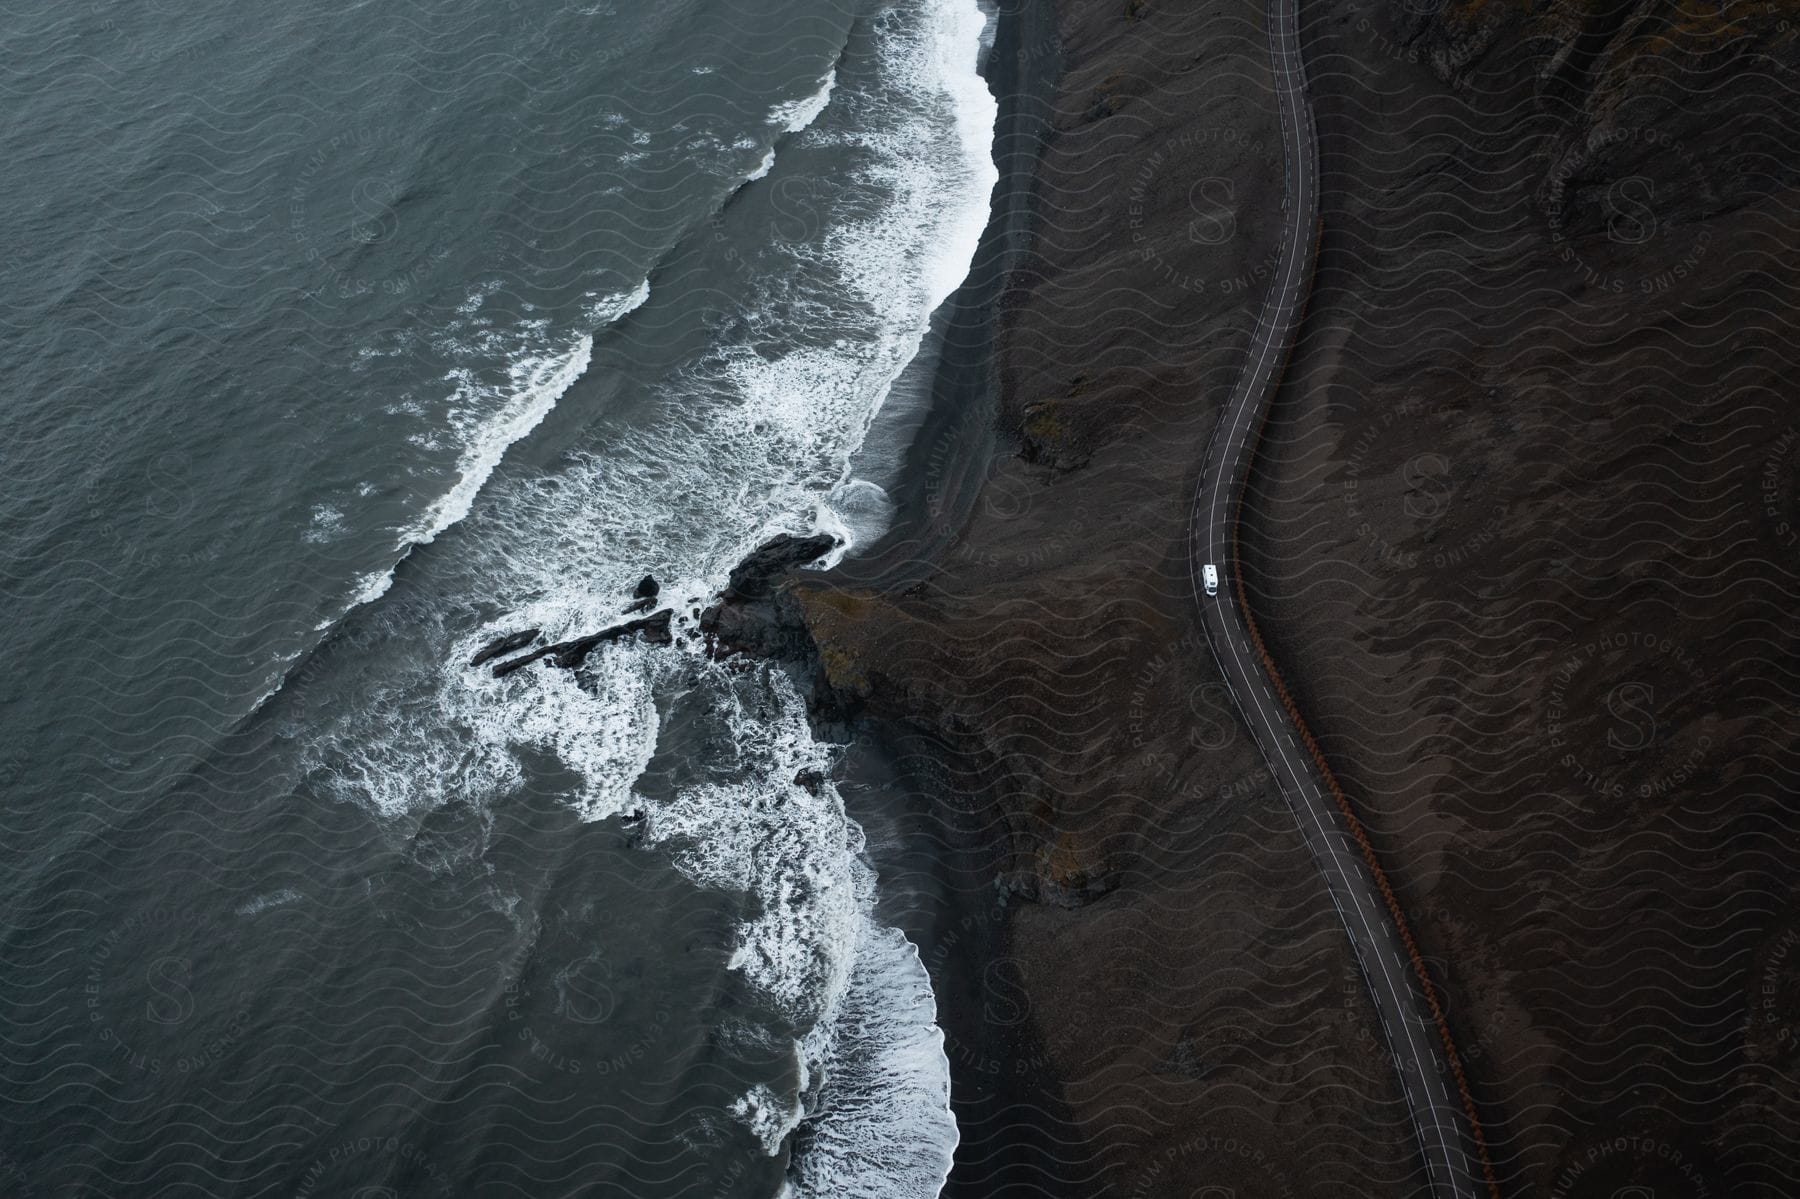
(1418, 1040)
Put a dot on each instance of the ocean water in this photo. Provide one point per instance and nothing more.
(340, 340)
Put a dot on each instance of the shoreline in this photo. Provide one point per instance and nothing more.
(937, 864)
(950, 436)
(1020, 720)
(931, 447)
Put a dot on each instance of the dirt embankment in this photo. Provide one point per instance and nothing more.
(1523, 543)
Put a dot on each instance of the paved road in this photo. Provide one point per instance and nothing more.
(1440, 1119)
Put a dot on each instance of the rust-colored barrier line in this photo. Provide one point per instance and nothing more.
(1337, 792)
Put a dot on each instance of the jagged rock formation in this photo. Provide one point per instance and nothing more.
(572, 653)
(504, 645)
(756, 613)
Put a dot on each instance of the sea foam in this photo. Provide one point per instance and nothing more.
(752, 439)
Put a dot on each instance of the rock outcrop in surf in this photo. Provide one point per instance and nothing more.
(756, 615)
(570, 654)
(504, 645)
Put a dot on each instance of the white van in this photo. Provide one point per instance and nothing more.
(1209, 575)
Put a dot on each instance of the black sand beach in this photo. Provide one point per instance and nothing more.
(1143, 987)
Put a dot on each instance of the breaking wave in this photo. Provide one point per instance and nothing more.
(752, 438)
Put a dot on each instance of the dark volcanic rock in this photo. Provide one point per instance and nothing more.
(647, 588)
(759, 615)
(655, 630)
(569, 654)
(640, 605)
(504, 645)
(506, 668)
(1074, 891)
(754, 614)
(755, 577)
